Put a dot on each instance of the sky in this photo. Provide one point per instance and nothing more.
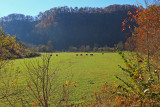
(33, 7)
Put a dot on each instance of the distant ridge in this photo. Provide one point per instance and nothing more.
(15, 16)
(63, 27)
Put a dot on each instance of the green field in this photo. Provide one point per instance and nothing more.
(91, 72)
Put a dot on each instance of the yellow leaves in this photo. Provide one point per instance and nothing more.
(75, 84)
(35, 103)
(141, 77)
(67, 82)
(8, 46)
(13, 84)
(135, 76)
(8, 42)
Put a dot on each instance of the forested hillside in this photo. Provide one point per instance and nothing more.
(63, 27)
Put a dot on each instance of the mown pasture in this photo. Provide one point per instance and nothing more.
(89, 71)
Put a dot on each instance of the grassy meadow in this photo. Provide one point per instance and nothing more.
(90, 72)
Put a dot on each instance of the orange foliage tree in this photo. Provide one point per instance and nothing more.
(145, 41)
(145, 37)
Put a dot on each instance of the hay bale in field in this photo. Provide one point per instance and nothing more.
(86, 54)
(76, 54)
(56, 54)
(81, 54)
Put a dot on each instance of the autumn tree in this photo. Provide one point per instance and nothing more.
(145, 35)
(143, 88)
(10, 48)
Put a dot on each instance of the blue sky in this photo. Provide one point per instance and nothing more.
(33, 7)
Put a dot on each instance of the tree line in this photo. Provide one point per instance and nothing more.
(65, 27)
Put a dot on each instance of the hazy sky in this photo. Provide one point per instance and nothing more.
(33, 7)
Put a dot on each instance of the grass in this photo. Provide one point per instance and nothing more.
(91, 72)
